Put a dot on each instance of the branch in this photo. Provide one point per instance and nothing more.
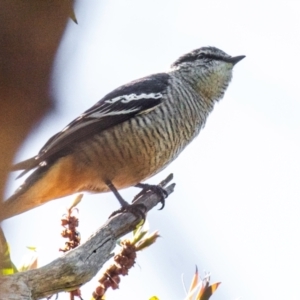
(81, 264)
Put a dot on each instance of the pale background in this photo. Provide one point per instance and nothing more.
(235, 211)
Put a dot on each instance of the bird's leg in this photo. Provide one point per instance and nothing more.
(158, 189)
(122, 202)
(136, 209)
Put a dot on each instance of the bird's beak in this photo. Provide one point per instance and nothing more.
(236, 59)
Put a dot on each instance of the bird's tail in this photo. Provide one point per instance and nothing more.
(24, 197)
(46, 183)
(11, 207)
(25, 165)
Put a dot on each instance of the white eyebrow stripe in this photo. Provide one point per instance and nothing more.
(133, 97)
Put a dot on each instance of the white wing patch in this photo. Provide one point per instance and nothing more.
(101, 114)
(133, 97)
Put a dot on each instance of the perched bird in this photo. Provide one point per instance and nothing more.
(129, 135)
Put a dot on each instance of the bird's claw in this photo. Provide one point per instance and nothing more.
(137, 209)
(158, 189)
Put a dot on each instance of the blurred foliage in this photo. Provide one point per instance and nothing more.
(29, 260)
(7, 267)
(200, 289)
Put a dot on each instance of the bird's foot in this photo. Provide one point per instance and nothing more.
(138, 209)
(158, 189)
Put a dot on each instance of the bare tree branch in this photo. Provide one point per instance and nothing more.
(79, 265)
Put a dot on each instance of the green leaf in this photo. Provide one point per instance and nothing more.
(139, 232)
(29, 260)
(147, 241)
(7, 267)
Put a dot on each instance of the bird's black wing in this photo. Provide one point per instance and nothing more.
(121, 104)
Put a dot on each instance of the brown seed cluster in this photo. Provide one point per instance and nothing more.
(70, 222)
(123, 261)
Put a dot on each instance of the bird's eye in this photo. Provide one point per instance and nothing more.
(201, 55)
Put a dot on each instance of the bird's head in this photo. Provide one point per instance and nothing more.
(208, 70)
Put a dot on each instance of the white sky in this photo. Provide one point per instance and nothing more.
(235, 211)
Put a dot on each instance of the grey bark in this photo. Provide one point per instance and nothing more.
(79, 265)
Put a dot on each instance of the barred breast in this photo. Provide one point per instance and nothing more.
(141, 147)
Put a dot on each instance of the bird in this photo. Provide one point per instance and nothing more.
(128, 136)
